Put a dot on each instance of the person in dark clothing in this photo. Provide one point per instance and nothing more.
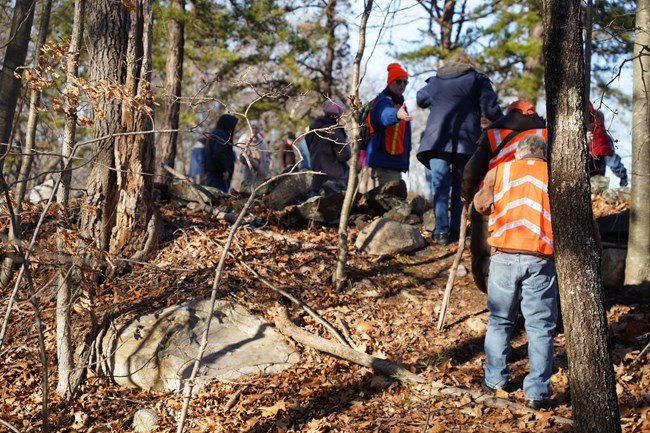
(497, 144)
(219, 154)
(456, 97)
(329, 151)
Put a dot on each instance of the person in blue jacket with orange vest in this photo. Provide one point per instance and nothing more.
(389, 148)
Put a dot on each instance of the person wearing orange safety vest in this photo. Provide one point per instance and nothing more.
(522, 270)
(497, 144)
(389, 148)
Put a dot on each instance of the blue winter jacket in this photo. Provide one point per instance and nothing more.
(383, 115)
(456, 97)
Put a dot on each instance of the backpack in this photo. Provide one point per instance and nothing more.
(365, 127)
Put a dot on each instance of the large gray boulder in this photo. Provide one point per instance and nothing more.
(286, 190)
(157, 351)
(387, 236)
(324, 209)
(42, 192)
(187, 192)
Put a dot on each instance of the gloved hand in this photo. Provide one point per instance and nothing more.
(623, 182)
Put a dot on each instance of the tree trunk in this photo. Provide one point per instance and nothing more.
(106, 43)
(34, 102)
(330, 52)
(339, 277)
(591, 376)
(64, 347)
(588, 30)
(15, 55)
(167, 143)
(637, 265)
(119, 216)
(136, 228)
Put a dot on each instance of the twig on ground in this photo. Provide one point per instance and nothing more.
(638, 357)
(232, 401)
(383, 366)
(344, 329)
(9, 426)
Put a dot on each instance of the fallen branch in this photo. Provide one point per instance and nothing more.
(383, 366)
(388, 368)
(494, 402)
(454, 268)
(9, 426)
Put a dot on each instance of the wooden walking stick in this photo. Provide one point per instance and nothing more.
(454, 267)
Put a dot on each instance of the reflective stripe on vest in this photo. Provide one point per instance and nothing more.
(522, 219)
(507, 153)
(394, 137)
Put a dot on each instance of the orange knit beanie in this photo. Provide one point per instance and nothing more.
(395, 71)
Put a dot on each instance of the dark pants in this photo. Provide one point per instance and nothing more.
(480, 249)
(596, 165)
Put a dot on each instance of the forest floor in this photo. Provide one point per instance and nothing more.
(390, 309)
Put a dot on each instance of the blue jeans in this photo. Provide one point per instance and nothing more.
(534, 279)
(446, 176)
(617, 167)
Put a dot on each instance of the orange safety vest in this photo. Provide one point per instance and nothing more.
(507, 153)
(522, 217)
(394, 137)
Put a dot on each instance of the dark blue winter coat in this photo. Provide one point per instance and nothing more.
(219, 155)
(456, 97)
(382, 115)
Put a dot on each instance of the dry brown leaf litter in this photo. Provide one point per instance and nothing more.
(389, 310)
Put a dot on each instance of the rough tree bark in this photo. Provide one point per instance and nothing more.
(106, 24)
(119, 217)
(637, 265)
(137, 226)
(591, 376)
(339, 277)
(330, 52)
(173, 79)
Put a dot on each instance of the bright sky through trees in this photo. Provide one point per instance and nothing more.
(395, 26)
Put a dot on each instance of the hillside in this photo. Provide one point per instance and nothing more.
(389, 309)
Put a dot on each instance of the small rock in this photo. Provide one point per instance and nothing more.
(145, 420)
(599, 184)
(461, 271)
(476, 325)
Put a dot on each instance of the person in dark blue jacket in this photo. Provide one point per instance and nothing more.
(387, 155)
(456, 96)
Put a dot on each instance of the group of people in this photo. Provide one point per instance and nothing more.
(476, 154)
(238, 166)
